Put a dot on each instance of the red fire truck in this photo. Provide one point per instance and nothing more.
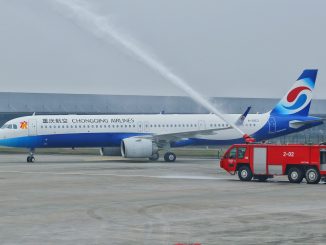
(263, 161)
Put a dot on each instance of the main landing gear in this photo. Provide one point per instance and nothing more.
(31, 158)
(170, 157)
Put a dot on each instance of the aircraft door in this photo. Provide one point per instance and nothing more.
(32, 127)
(201, 125)
(272, 125)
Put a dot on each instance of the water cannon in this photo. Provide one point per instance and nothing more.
(248, 139)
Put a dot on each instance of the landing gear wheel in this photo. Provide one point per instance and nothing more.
(170, 157)
(30, 159)
(313, 176)
(295, 175)
(245, 173)
(154, 157)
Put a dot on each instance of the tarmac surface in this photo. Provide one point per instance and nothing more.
(64, 199)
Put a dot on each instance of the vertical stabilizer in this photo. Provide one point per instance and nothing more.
(297, 101)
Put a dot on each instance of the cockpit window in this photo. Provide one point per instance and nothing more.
(5, 126)
(9, 126)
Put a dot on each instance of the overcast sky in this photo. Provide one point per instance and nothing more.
(233, 48)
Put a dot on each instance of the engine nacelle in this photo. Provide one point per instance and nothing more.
(110, 151)
(138, 148)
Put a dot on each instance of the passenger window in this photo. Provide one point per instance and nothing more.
(241, 152)
(233, 153)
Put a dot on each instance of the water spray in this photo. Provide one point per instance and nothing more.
(102, 28)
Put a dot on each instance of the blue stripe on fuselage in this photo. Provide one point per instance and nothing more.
(68, 140)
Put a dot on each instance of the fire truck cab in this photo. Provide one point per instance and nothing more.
(263, 161)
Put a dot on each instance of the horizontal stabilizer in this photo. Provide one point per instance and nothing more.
(298, 124)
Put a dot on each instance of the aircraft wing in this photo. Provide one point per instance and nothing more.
(171, 137)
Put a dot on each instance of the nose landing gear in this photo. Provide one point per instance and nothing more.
(31, 158)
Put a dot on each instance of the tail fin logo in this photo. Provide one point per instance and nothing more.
(298, 99)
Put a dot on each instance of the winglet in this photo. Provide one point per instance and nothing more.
(241, 119)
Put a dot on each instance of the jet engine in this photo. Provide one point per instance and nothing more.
(138, 148)
(110, 151)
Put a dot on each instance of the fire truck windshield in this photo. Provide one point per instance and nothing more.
(241, 152)
(233, 153)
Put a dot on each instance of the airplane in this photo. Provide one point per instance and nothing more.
(143, 136)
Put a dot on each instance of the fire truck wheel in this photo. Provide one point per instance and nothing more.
(295, 175)
(245, 173)
(312, 176)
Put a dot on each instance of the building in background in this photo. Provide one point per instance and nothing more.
(13, 105)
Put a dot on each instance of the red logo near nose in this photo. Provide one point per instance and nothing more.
(23, 125)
